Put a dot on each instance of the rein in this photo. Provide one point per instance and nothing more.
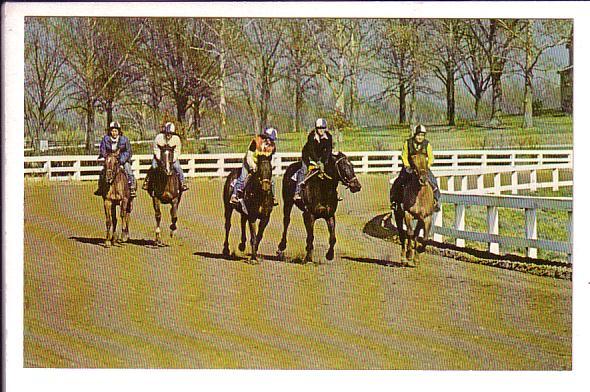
(345, 181)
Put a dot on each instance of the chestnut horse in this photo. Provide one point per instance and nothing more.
(416, 203)
(117, 194)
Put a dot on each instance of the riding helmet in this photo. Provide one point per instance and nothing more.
(419, 129)
(169, 127)
(271, 133)
(320, 123)
(115, 124)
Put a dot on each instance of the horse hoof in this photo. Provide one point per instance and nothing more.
(242, 247)
(225, 252)
(330, 255)
(172, 234)
(281, 255)
(173, 227)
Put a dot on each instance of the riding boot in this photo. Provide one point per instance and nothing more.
(133, 188)
(236, 197)
(100, 190)
(436, 205)
(183, 186)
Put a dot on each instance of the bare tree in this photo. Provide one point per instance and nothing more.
(44, 82)
(532, 39)
(475, 75)
(447, 57)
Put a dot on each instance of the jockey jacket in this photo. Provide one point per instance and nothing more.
(109, 145)
(317, 149)
(411, 147)
(259, 146)
(174, 141)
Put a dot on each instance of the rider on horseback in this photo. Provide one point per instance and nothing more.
(315, 154)
(113, 142)
(262, 144)
(418, 143)
(167, 138)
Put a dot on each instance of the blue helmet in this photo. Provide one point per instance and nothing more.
(270, 133)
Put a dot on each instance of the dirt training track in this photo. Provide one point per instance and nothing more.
(185, 306)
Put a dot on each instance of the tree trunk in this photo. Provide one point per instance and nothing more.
(496, 76)
(222, 101)
(450, 88)
(298, 111)
(402, 103)
(477, 97)
(89, 127)
(109, 110)
(196, 107)
(181, 108)
(528, 81)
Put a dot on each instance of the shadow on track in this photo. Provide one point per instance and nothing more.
(100, 242)
(384, 263)
(244, 257)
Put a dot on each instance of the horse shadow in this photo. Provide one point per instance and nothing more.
(234, 257)
(384, 263)
(99, 241)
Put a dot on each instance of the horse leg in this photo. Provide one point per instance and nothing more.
(287, 207)
(108, 221)
(114, 216)
(261, 226)
(173, 217)
(331, 223)
(411, 237)
(253, 242)
(228, 212)
(427, 225)
(399, 223)
(158, 215)
(309, 221)
(242, 244)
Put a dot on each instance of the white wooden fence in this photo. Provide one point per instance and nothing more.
(447, 163)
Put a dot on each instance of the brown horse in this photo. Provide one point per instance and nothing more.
(165, 189)
(417, 204)
(257, 205)
(117, 194)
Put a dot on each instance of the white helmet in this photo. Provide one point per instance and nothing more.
(115, 124)
(320, 123)
(169, 127)
(419, 129)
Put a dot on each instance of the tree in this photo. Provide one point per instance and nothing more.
(531, 40)
(475, 76)
(258, 61)
(302, 65)
(44, 82)
(447, 58)
(402, 62)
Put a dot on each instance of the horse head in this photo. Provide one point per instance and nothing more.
(111, 165)
(420, 165)
(167, 159)
(264, 172)
(345, 172)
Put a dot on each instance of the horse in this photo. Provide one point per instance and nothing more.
(415, 203)
(165, 189)
(117, 194)
(319, 199)
(257, 204)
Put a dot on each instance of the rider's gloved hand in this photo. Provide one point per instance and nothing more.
(321, 166)
(409, 170)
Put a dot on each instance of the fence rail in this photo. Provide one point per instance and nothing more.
(218, 165)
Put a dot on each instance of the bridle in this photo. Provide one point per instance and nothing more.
(113, 172)
(346, 182)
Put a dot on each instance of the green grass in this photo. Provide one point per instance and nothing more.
(550, 129)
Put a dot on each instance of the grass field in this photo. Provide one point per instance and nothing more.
(186, 306)
(550, 129)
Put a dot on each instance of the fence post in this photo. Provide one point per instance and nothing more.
(277, 162)
(47, 167)
(464, 183)
(451, 184)
(539, 159)
(480, 182)
(135, 167)
(394, 162)
(438, 221)
(455, 161)
(484, 159)
(460, 223)
(497, 183)
(530, 229)
(514, 182)
(555, 178)
(492, 220)
(221, 167)
(365, 161)
(533, 180)
(77, 170)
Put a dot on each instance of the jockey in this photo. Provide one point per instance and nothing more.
(112, 142)
(167, 137)
(262, 144)
(415, 144)
(317, 149)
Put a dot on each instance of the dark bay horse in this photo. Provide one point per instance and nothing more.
(319, 199)
(165, 189)
(117, 194)
(257, 205)
(416, 203)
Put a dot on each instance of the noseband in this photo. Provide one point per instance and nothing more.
(346, 182)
